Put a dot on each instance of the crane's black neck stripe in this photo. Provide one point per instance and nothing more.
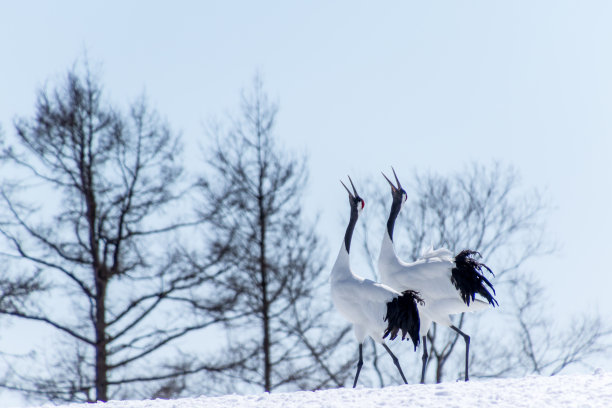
(395, 209)
(351, 226)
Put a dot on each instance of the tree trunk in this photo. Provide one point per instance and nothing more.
(439, 367)
(264, 288)
(101, 352)
(266, 336)
(101, 362)
(263, 272)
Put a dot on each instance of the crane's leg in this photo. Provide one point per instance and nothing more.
(467, 350)
(359, 364)
(424, 358)
(396, 362)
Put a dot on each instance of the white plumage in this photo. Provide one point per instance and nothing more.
(431, 276)
(374, 309)
(446, 284)
(361, 301)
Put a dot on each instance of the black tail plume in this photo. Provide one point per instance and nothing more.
(402, 314)
(468, 278)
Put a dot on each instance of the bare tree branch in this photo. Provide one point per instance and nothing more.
(110, 248)
(274, 262)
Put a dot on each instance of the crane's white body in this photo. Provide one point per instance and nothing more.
(367, 304)
(361, 301)
(430, 275)
(448, 285)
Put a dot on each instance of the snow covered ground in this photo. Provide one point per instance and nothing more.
(581, 391)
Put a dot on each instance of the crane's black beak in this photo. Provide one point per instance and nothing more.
(352, 185)
(355, 196)
(349, 191)
(393, 187)
(399, 186)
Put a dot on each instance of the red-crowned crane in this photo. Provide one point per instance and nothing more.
(367, 304)
(447, 285)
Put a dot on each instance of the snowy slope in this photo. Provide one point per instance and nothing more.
(583, 391)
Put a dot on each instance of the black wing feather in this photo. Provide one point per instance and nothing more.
(402, 314)
(468, 278)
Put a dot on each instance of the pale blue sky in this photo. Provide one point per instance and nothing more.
(363, 85)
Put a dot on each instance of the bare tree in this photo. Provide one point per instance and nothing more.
(275, 264)
(482, 208)
(538, 343)
(550, 350)
(86, 199)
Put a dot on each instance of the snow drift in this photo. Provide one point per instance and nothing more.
(584, 391)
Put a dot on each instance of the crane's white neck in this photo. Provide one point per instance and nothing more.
(387, 259)
(342, 267)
